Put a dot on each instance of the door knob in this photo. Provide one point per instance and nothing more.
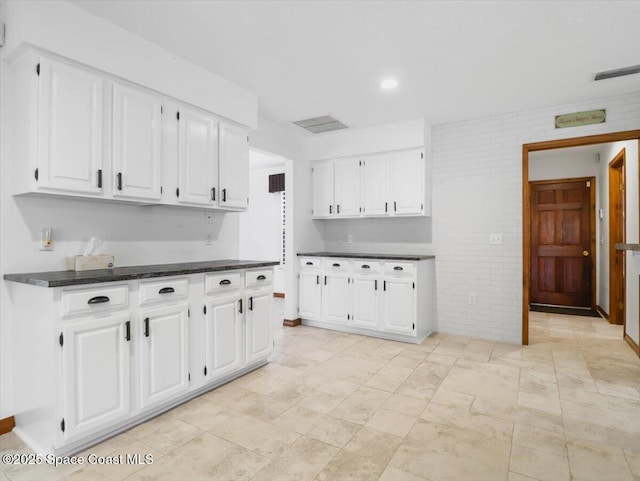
(585, 253)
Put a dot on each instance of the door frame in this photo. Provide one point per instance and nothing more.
(526, 201)
(619, 161)
(592, 227)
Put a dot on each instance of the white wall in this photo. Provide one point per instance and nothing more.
(477, 190)
(135, 235)
(261, 224)
(632, 232)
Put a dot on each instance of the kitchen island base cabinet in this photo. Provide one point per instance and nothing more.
(386, 298)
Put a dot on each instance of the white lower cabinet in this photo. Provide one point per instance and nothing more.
(222, 336)
(96, 372)
(164, 353)
(387, 298)
(92, 361)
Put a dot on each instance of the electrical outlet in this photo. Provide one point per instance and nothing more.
(495, 239)
(472, 299)
(208, 217)
(350, 239)
(208, 240)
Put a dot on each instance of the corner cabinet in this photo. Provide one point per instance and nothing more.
(94, 360)
(390, 184)
(389, 298)
(85, 133)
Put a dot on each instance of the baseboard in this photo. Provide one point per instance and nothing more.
(278, 294)
(602, 312)
(7, 424)
(632, 343)
(292, 322)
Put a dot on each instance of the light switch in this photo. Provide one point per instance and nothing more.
(495, 238)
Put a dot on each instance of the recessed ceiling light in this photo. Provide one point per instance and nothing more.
(389, 84)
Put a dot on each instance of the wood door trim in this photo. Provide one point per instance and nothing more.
(292, 322)
(618, 161)
(7, 424)
(526, 202)
(592, 226)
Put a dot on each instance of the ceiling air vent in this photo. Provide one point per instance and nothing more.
(619, 72)
(317, 125)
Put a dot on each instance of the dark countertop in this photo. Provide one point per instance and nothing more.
(628, 247)
(72, 278)
(358, 255)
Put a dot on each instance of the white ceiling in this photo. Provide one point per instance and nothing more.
(584, 153)
(454, 60)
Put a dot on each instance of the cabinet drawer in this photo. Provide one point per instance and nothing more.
(399, 268)
(366, 267)
(96, 299)
(222, 282)
(310, 262)
(336, 265)
(262, 277)
(163, 290)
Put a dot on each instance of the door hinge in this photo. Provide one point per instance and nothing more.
(177, 191)
(35, 174)
(204, 309)
(621, 305)
(205, 370)
(61, 339)
(38, 69)
(621, 187)
(178, 115)
(62, 425)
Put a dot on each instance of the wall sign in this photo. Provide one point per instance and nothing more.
(577, 119)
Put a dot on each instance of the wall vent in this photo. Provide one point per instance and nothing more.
(318, 125)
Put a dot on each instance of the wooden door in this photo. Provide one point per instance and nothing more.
(562, 241)
(616, 235)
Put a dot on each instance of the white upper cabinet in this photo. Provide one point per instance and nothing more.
(136, 143)
(347, 187)
(234, 167)
(197, 158)
(375, 185)
(407, 182)
(322, 186)
(69, 128)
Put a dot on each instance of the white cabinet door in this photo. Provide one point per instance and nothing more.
(164, 353)
(136, 141)
(70, 129)
(347, 187)
(222, 336)
(335, 297)
(197, 158)
(407, 177)
(309, 294)
(366, 301)
(259, 325)
(322, 186)
(375, 185)
(96, 372)
(398, 305)
(234, 167)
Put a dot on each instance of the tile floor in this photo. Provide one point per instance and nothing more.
(333, 407)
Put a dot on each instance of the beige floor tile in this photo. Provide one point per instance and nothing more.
(420, 385)
(395, 371)
(405, 361)
(252, 433)
(619, 390)
(449, 453)
(540, 383)
(391, 422)
(519, 477)
(576, 379)
(447, 360)
(339, 387)
(320, 426)
(360, 405)
(405, 404)
(481, 384)
(364, 458)
(541, 439)
(384, 383)
(171, 436)
(302, 461)
(394, 474)
(205, 415)
(321, 401)
(633, 460)
(488, 426)
(452, 398)
(539, 464)
(598, 463)
(550, 404)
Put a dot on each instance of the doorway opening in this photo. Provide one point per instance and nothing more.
(617, 235)
(562, 272)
